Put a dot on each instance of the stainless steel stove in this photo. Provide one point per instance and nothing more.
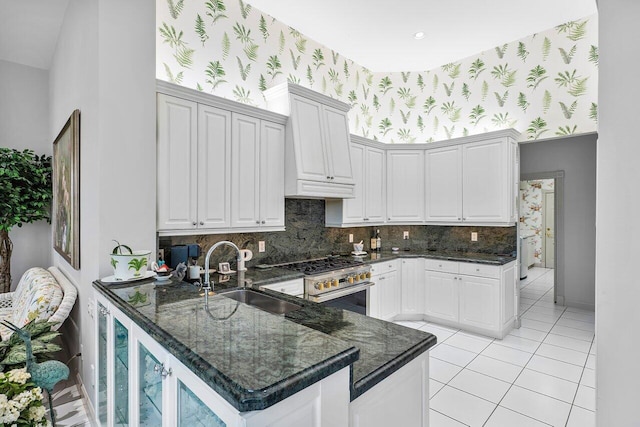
(337, 281)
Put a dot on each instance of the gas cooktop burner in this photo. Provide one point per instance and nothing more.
(322, 265)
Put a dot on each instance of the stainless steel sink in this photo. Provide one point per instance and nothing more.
(261, 301)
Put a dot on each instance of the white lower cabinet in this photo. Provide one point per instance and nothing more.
(385, 296)
(441, 295)
(402, 399)
(139, 383)
(413, 287)
(475, 297)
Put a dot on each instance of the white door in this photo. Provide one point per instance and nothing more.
(272, 174)
(337, 145)
(177, 160)
(390, 295)
(214, 167)
(549, 249)
(245, 171)
(441, 295)
(405, 185)
(444, 184)
(486, 182)
(374, 198)
(479, 302)
(412, 286)
(308, 133)
(354, 208)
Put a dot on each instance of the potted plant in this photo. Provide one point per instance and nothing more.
(26, 198)
(128, 264)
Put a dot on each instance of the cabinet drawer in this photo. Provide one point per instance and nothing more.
(482, 270)
(440, 265)
(293, 287)
(384, 267)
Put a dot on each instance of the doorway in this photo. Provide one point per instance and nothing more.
(540, 229)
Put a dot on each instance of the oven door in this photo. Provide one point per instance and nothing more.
(353, 298)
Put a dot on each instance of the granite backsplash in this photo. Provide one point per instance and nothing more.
(307, 237)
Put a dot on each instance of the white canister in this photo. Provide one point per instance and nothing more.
(194, 272)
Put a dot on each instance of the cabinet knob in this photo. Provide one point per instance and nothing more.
(263, 221)
(257, 222)
(328, 177)
(333, 177)
(477, 269)
(388, 219)
(194, 223)
(459, 219)
(162, 371)
(201, 222)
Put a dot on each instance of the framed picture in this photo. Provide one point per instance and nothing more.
(224, 268)
(66, 191)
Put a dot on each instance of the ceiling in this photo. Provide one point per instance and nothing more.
(374, 33)
(29, 30)
(378, 34)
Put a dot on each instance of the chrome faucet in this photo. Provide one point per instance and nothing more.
(208, 283)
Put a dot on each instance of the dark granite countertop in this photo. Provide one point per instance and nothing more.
(475, 257)
(255, 359)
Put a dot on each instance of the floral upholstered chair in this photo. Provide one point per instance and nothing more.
(40, 295)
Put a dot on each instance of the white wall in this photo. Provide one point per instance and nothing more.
(104, 65)
(24, 123)
(576, 156)
(618, 233)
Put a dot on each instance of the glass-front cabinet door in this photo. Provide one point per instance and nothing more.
(150, 386)
(121, 374)
(103, 376)
(192, 412)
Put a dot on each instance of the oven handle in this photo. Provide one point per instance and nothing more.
(340, 292)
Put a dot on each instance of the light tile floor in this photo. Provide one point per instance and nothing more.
(541, 374)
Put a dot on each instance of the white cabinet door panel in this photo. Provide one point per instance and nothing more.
(441, 295)
(444, 184)
(480, 302)
(354, 208)
(177, 163)
(337, 150)
(214, 167)
(245, 185)
(272, 174)
(374, 197)
(413, 286)
(486, 182)
(405, 185)
(312, 160)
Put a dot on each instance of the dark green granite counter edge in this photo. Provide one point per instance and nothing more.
(241, 399)
(461, 257)
(358, 388)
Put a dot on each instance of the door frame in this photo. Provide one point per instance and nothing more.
(544, 227)
(558, 271)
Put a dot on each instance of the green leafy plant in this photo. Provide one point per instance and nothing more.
(13, 353)
(301, 44)
(451, 110)
(318, 58)
(201, 30)
(537, 127)
(226, 45)
(25, 182)
(546, 48)
(273, 66)
(251, 50)
(501, 50)
(501, 98)
(522, 51)
(136, 264)
(175, 8)
(334, 57)
(465, 91)
(420, 124)
(568, 111)
(522, 101)
(405, 136)
(174, 79)
(536, 76)
(449, 89)
(405, 76)
(242, 33)
(593, 112)
(376, 102)
(593, 54)
(476, 68)
(242, 95)
(385, 126)
(429, 104)
(485, 89)
(293, 79)
(22, 400)
(435, 82)
(504, 74)
(405, 116)
(420, 82)
(170, 36)
(184, 56)
(215, 74)
(566, 130)
(385, 84)
(452, 69)
(310, 78)
(282, 41)
(215, 9)
(295, 60)
(263, 28)
(477, 114)
(262, 83)
(137, 298)
(567, 57)
(245, 9)
(244, 71)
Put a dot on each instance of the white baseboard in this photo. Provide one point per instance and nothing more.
(91, 414)
(582, 305)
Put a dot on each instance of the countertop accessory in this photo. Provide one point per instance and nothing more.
(163, 278)
(395, 250)
(208, 282)
(358, 247)
(112, 279)
(358, 253)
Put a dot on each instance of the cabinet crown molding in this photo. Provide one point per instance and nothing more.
(284, 88)
(178, 91)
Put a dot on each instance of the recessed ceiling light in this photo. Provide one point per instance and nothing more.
(419, 35)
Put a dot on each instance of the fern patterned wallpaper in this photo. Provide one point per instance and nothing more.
(544, 85)
(531, 211)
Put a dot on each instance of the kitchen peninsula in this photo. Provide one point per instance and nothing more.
(233, 364)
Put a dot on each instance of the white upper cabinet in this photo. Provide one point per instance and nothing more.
(473, 181)
(220, 165)
(258, 174)
(317, 152)
(443, 168)
(177, 157)
(368, 205)
(214, 167)
(405, 186)
(487, 181)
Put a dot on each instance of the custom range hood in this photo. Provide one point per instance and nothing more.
(317, 147)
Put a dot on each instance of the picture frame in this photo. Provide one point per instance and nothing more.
(66, 191)
(224, 268)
